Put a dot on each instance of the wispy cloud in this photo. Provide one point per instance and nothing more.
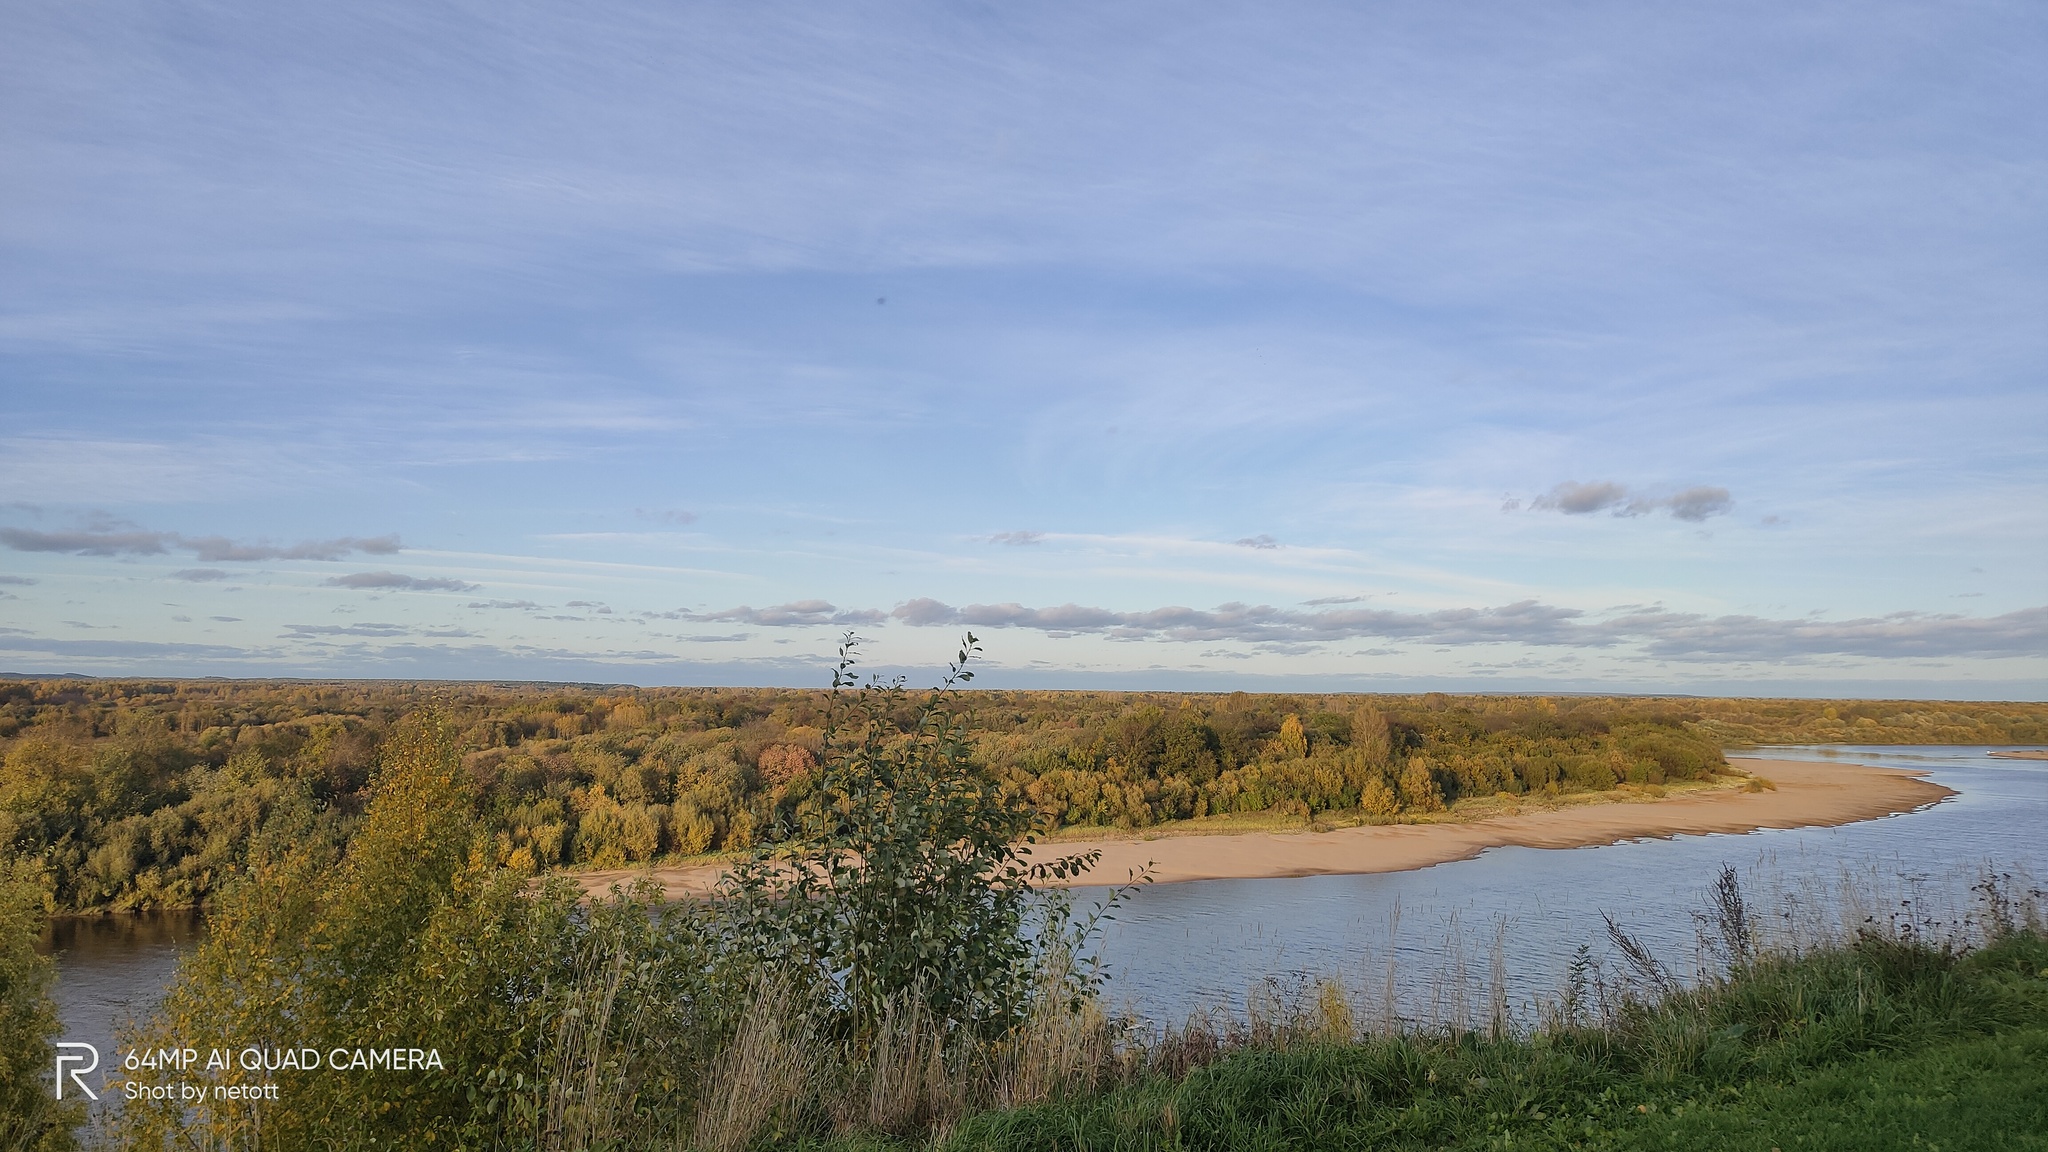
(88, 543)
(1697, 503)
(212, 549)
(1900, 635)
(1576, 499)
(202, 575)
(365, 629)
(1261, 541)
(1017, 538)
(797, 613)
(1525, 622)
(124, 649)
(398, 582)
(677, 517)
(215, 549)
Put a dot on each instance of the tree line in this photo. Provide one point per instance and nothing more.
(136, 794)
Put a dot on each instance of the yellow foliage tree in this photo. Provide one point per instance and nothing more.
(1292, 742)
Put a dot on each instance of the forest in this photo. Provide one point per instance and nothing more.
(128, 794)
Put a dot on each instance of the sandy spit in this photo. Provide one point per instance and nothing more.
(1807, 796)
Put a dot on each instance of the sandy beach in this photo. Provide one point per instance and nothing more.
(1807, 795)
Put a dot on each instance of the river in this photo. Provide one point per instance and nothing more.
(1174, 948)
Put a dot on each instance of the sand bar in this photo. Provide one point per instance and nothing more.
(1808, 795)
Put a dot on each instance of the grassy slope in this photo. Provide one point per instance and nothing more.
(1857, 1051)
(1986, 1093)
(1989, 1092)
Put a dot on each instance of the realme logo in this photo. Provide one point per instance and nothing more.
(75, 1060)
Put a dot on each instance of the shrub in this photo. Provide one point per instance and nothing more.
(30, 1117)
(913, 876)
(557, 1025)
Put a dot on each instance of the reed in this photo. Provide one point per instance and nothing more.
(589, 1100)
(1064, 1047)
(767, 1071)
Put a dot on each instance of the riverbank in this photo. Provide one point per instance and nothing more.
(1879, 1043)
(1802, 795)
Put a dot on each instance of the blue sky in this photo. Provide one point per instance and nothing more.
(1566, 347)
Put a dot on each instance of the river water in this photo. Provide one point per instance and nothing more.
(1175, 948)
(112, 968)
(1213, 944)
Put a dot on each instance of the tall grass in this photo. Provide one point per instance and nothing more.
(1309, 1056)
(1617, 1054)
(783, 1074)
(770, 1070)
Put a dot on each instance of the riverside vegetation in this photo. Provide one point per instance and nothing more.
(130, 795)
(878, 974)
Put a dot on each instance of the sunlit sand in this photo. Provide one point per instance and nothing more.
(1806, 795)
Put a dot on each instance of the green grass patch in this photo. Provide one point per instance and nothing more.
(1985, 1093)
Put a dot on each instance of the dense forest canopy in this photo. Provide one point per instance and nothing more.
(130, 794)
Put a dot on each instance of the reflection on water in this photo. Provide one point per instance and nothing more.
(1176, 947)
(112, 968)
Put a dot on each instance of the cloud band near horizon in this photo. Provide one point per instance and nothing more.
(211, 549)
(1687, 636)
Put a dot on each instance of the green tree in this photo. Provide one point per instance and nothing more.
(915, 875)
(1419, 788)
(550, 1021)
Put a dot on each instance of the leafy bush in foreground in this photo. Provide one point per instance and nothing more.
(557, 1025)
(30, 1117)
(911, 872)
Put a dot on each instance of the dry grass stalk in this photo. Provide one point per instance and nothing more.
(1175, 1052)
(1057, 1050)
(587, 1096)
(1497, 1021)
(769, 1065)
(1390, 1018)
(1336, 1023)
(910, 1084)
(1642, 962)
